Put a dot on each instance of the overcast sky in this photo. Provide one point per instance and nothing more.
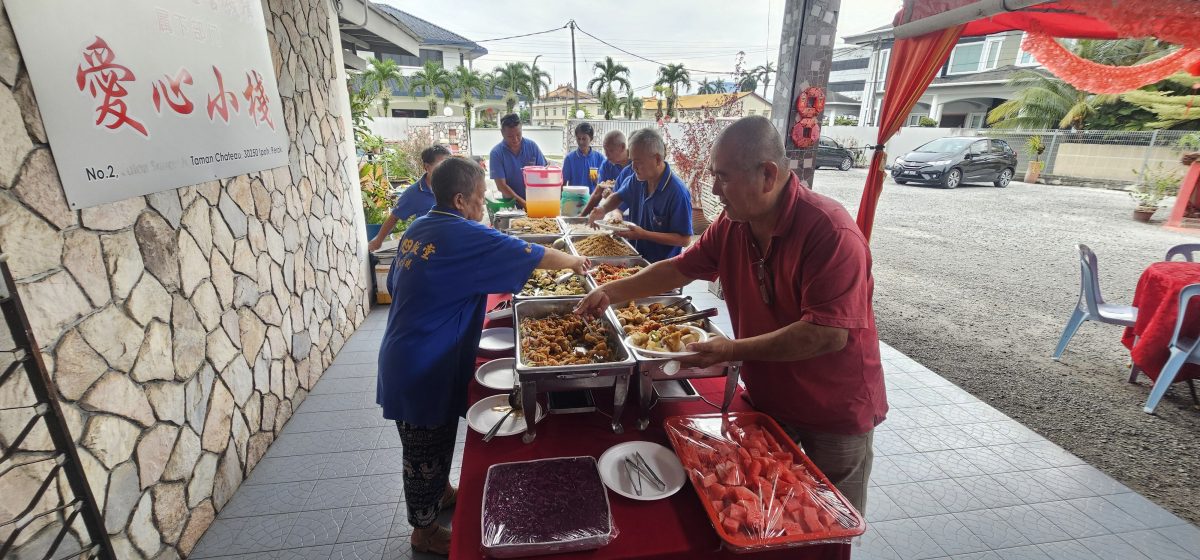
(704, 35)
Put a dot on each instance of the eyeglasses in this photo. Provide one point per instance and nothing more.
(766, 288)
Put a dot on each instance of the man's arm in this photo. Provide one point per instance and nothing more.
(388, 225)
(798, 341)
(557, 260)
(502, 186)
(612, 202)
(655, 279)
(662, 238)
(597, 197)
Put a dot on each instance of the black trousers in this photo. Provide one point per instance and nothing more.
(428, 453)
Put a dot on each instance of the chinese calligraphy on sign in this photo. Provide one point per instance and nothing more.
(140, 96)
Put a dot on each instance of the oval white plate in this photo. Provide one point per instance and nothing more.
(498, 374)
(656, 354)
(662, 460)
(611, 227)
(481, 417)
(500, 339)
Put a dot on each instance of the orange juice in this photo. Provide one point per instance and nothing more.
(593, 174)
(542, 208)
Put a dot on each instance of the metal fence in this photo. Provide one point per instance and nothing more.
(1104, 155)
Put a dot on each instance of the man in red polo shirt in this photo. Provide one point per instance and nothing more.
(796, 272)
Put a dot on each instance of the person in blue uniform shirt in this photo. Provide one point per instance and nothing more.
(509, 156)
(613, 171)
(446, 266)
(416, 200)
(659, 204)
(578, 164)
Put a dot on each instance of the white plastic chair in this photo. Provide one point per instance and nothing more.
(1091, 306)
(1185, 250)
(1184, 350)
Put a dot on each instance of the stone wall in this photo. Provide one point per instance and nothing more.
(184, 327)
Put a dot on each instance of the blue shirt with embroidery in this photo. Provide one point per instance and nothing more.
(503, 164)
(577, 165)
(445, 268)
(667, 210)
(416, 200)
(609, 171)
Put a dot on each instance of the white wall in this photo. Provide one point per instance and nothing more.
(903, 142)
(395, 128)
(550, 140)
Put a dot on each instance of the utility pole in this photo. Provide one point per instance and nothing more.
(574, 70)
(533, 87)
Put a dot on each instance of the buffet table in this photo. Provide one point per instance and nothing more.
(675, 527)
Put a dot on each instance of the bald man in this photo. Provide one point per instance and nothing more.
(796, 272)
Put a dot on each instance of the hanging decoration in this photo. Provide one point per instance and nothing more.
(1094, 77)
(809, 105)
(1172, 21)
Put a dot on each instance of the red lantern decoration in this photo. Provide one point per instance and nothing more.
(809, 105)
(805, 132)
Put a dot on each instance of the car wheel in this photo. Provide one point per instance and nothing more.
(900, 181)
(952, 178)
(1004, 179)
(847, 163)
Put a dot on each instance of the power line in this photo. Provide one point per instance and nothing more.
(584, 31)
(519, 36)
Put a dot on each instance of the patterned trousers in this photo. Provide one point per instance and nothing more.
(428, 453)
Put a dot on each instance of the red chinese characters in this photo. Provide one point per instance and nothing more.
(169, 90)
(256, 96)
(224, 102)
(102, 78)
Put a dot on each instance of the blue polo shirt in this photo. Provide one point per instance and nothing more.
(503, 164)
(416, 200)
(609, 171)
(445, 267)
(576, 167)
(667, 210)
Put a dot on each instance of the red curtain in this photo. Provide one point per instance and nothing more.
(913, 64)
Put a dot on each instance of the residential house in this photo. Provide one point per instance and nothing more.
(691, 107)
(558, 106)
(972, 82)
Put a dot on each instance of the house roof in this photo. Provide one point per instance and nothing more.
(431, 34)
(565, 91)
(883, 31)
(839, 99)
(709, 100)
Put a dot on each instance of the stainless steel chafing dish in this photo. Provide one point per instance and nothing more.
(539, 379)
(568, 224)
(502, 218)
(621, 261)
(509, 228)
(572, 239)
(583, 281)
(546, 241)
(651, 370)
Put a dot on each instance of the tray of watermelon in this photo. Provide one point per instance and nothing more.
(760, 491)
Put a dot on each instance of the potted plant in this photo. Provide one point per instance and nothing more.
(376, 194)
(1034, 147)
(1158, 183)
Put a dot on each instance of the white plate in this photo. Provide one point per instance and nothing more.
(497, 374)
(612, 227)
(656, 354)
(662, 460)
(481, 417)
(497, 340)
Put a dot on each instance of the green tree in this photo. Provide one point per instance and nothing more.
(513, 78)
(360, 106)
(705, 87)
(539, 82)
(747, 81)
(1046, 102)
(674, 77)
(631, 105)
(719, 85)
(1172, 105)
(762, 73)
(432, 80)
(609, 72)
(660, 92)
(471, 86)
(381, 77)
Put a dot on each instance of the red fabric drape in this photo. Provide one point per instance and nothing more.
(913, 64)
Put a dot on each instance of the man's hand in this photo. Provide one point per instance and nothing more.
(597, 215)
(374, 245)
(581, 265)
(714, 351)
(634, 233)
(594, 304)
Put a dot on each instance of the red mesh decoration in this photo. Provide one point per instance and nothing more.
(1099, 78)
(805, 133)
(1173, 21)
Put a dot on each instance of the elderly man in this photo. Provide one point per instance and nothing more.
(797, 277)
(659, 204)
(613, 172)
(416, 200)
(510, 156)
(446, 266)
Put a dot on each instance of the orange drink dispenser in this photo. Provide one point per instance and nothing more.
(543, 190)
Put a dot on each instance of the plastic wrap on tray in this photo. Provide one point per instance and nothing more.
(546, 506)
(759, 490)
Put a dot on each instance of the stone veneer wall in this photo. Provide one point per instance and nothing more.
(182, 328)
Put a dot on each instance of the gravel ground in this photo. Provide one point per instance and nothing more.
(977, 283)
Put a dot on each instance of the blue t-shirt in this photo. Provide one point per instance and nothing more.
(445, 267)
(577, 165)
(416, 200)
(503, 164)
(609, 171)
(667, 210)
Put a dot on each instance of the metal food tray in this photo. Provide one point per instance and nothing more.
(586, 286)
(571, 241)
(565, 223)
(549, 239)
(502, 218)
(622, 261)
(509, 229)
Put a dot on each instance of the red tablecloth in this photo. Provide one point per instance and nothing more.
(1157, 301)
(676, 527)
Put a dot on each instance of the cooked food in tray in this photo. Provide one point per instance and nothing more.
(605, 272)
(564, 340)
(646, 318)
(671, 338)
(543, 283)
(603, 246)
(535, 225)
(580, 228)
(549, 243)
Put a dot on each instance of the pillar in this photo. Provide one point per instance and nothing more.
(805, 54)
(935, 109)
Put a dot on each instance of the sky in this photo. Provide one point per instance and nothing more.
(704, 35)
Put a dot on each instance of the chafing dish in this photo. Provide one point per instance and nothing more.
(621, 261)
(583, 282)
(540, 379)
(510, 228)
(649, 370)
(569, 225)
(573, 239)
(554, 241)
(501, 218)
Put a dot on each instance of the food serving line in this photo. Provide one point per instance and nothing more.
(522, 496)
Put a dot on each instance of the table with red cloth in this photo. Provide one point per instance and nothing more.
(1157, 301)
(674, 527)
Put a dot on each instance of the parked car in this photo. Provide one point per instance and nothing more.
(952, 161)
(832, 154)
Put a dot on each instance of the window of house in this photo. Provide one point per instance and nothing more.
(914, 120)
(850, 64)
(976, 120)
(884, 57)
(1024, 58)
(423, 55)
(965, 58)
(750, 112)
(991, 53)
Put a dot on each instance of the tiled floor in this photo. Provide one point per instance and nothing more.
(953, 478)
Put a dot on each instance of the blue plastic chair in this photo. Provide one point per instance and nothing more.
(1091, 306)
(1185, 250)
(1184, 350)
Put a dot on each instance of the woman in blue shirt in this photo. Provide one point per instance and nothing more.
(446, 266)
(578, 164)
(416, 200)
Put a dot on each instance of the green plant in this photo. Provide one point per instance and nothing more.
(432, 80)
(360, 106)
(382, 76)
(630, 105)
(610, 72)
(1189, 142)
(371, 143)
(514, 79)
(673, 76)
(762, 74)
(1157, 184)
(376, 192)
(1034, 147)
(926, 122)
(845, 120)
(470, 85)
(1044, 102)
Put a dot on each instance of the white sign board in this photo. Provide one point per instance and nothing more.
(141, 96)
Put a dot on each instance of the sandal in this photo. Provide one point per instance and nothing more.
(435, 540)
(449, 497)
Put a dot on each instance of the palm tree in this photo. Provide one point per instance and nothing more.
(514, 79)
(630, 105)
(539, 82)
(381, 77)
(748, 81)
(1045, 102)
(673, 76)
(470, 85)
(432, 79)
(763, 73)
(609, 72)
(705, 87)
(719, 85)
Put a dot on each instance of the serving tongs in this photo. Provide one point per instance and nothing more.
(711, 312)
(637, 463)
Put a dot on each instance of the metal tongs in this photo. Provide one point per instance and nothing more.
(712, 312)
(638, 463)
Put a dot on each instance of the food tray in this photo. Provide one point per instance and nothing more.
(501, 218)
(547, 241)
(654, 365)
(572, 239)
(545, 506)
(539, 308)
(622, 261)
(566, 224)
(805, 509)
(509, 227)
(520, 296)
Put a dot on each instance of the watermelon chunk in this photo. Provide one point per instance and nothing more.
(708, 480)
(731, 525)
(736, 512)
